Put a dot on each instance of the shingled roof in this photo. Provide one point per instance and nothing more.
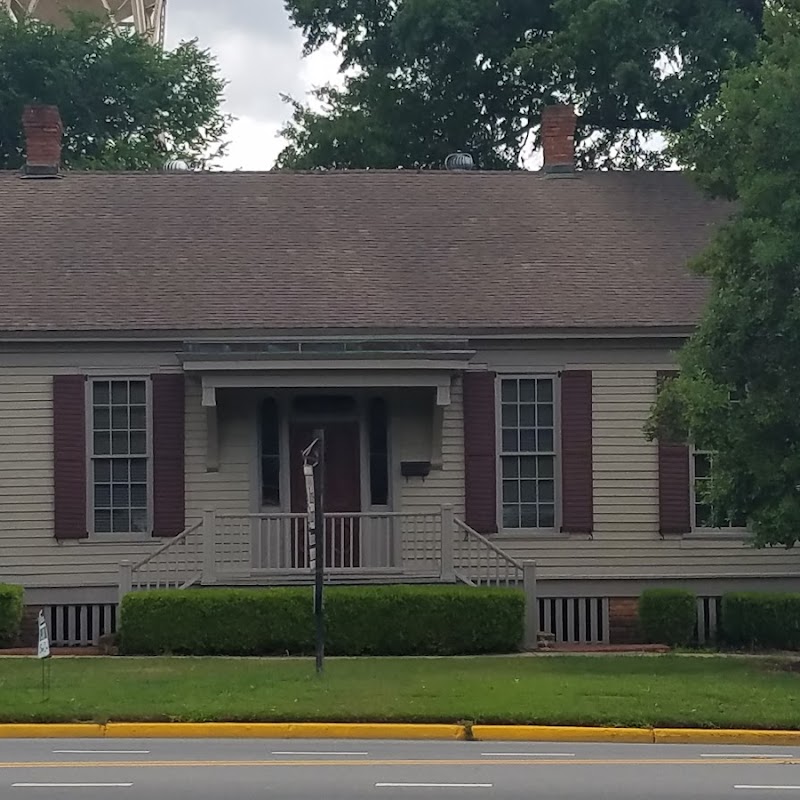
(350, 251)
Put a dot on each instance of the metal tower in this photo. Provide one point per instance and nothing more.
(144, 16)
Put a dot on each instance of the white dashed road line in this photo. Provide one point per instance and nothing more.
(317, 753)
(766, 787)
(531, 755)
(103, 752)
(71, 785)
(434, 785)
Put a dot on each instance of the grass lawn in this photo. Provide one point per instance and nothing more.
(666, 690)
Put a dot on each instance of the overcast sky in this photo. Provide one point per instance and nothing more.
(260, 54)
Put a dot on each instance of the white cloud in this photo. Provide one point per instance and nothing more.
(260, 54)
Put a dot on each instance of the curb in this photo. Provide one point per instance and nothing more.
(323, 730)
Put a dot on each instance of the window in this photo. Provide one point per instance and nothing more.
(702, 464)
(378, 453)
(527, 452)
(270, 454)
(119, 450)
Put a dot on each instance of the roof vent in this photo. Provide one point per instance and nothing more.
(175, 165)
(459, 162)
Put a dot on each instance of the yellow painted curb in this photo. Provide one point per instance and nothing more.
(57, 731)
(723, 736)
(280, 730)
(550, 733)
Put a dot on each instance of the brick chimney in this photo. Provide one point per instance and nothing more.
(558, 137)
(43, 131)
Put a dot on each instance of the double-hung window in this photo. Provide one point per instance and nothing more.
(702, 510)
(527, 452)
(119, 450)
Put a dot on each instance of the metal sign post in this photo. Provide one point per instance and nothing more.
(314, 472)
(43, 654)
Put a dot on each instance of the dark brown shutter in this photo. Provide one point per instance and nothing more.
(577, 497)
(169, 511)
(69, 456)
(674, 489)
(480, 451)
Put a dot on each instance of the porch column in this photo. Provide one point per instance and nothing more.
(448, 530)
(530, 635)
(209, 533)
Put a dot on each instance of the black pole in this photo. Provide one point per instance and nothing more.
(319, 532)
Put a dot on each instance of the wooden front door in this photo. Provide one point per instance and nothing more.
(342, 489)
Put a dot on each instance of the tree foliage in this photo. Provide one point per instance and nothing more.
(426, 77)
(738, 393)
(125, 104)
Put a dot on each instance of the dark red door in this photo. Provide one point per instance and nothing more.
(342, 490)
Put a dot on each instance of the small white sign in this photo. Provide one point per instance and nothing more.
(44, 639)
(308, 471)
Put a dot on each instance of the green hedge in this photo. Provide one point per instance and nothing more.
(761, 620)
(360, 620)
(10, 613)
(668, 616)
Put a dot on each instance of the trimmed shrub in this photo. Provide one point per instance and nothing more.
(668, 616)
(360, 621)
(10, 613)
(761, 620)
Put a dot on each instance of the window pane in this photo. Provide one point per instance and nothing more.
(703, 515)
(508, 390)
(121, 520)
(102, 471)
(545, 415)
(119, 443)
(102, 495)
(270, 481)
(545, 440)
(119, 470)
(510, 491)
(138, 418)
(527, 467)
(102, 521)
(547, 516)
(510, 416)
(119, 418)
(527, 440)
(138, 393)
(102, 444)
(119, 495)
(138, 443)
(510, 467)
(527, 391)
(544, 390)
(528, 516)
(119, 392)
(270, 428)
(138, 470)
(101, 393)
(545, 466)
(527, 415)
(139, 495)
(101, 419)
(546, 491)
(511, 516)
(139, 520)
(510, 440)
(527, 491)
(379, 480)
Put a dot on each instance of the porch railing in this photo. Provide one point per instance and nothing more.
(411, 544)
(480, 562)
(175, 565)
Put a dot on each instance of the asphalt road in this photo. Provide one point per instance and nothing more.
(167, 769)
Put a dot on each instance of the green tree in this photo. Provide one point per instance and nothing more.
(426, 77)
(738, 392)
(125, 104)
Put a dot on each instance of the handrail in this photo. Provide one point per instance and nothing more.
(166, 546)
(471, 532)
(333, 515)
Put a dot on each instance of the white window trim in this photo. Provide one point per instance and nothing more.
(519, 533)
(131, 536)
(728, 532)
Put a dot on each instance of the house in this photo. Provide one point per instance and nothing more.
(481, 350)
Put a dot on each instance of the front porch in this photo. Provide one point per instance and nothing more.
(271, 549)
